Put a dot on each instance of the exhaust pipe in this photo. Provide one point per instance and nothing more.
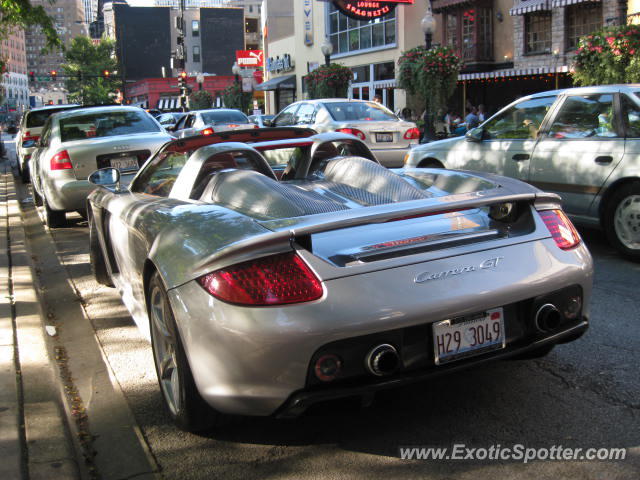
(382, 360)
(548, 318)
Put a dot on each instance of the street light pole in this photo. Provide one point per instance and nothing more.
(428, 25)
(327, 50)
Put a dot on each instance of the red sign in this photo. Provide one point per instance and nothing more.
(366, 9)
(250, 58)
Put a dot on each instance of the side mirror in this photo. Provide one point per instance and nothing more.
(267, 123)
(106, 176)
(29, 144)
(475, 134)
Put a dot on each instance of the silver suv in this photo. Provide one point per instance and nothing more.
(582, 143)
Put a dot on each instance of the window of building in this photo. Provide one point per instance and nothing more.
(581, 20)
(537, 28)
(469, 31)
(195, 28)
(251, 25)
(349, 35)
(196, 54)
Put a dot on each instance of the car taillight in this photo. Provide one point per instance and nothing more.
(207, 131)
(412, 134)
(352, 131)
(61, 161)
(256, 126)
(562, 230)
(274, 280)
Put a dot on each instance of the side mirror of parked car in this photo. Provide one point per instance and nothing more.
(267, 123)
(475, 134)
(106, 176)
(29, 144)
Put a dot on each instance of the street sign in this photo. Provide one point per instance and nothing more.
(46, 78)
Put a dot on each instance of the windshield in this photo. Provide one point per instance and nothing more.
(37, 118)
(105, 124)
(214, 118)
(361, 111)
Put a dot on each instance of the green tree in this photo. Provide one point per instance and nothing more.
(234, 97)
(199, 100)
(86, 64)
(21, 14)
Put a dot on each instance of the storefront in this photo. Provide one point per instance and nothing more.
(284, 89)
(371, 80)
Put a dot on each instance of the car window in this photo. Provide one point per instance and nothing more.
(191, 119)
(286, 116)
(360, 111)
(181, 122)
(631, 115)
(222, 116)
(105, 124)
(39, 117)
(583, 116)
(521, 121)
(305, 114)
(283, 156)
(46, 133)
(158, 178)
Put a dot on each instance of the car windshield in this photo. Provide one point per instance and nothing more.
(637, 94)
(37, 118)
(361, 111)
(214, 118)
(105, 124)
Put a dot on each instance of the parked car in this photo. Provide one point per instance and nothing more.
(168, 120)
(76, 142)
(385, 134)
(29, 133)
(206, 122)
(263, 297)
(259, 120)
(582, 143)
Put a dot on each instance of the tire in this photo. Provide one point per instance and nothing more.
(96, 257)
(54, 218)
(430, 163)
(24, 173)
(622, 220)
(37, 199)
(180, 395)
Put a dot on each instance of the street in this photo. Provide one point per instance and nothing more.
(583, 394)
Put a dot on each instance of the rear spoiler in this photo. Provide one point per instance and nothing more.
(288, 232)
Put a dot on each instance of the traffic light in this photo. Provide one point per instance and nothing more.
(182, 80)
(54, 75)
(32, 76)
(106, 73)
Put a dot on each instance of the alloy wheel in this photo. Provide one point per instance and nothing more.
(627, 222)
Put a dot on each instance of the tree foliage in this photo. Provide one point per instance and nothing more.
(329, 81)
(430, 74)
(607, 56)
(85, 64)
(234, 97)
(200, 99)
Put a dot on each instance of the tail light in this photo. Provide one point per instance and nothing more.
(352, 131)
(27, 136)
(61, 161)
(412, 134)
(207, 131)
(256, 126)
(274, 280)
(562, 230)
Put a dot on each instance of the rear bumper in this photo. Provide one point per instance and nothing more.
(300, 401)
(390, 157)
(67, 194)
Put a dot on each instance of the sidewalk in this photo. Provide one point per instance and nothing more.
(35, 442)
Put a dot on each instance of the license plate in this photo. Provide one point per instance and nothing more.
(460, 338)
(384, 137)
(125, 163)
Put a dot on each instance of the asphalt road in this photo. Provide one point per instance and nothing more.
(584, 394)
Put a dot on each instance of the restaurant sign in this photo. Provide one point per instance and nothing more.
(367, 9)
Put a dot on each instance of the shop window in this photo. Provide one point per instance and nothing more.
(582, 19)
(384, 71)
(469, 31)
(349, 35)
(537, 37)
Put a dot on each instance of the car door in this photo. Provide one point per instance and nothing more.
(286, 117)
(581, 146)
(507, 142)
(305, 115)
(180, 125)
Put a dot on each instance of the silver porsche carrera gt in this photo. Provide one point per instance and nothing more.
(274, 269)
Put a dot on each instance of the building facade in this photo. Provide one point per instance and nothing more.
(164, 94)
(14, 81)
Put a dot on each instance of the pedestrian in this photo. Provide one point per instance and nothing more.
(482, 116)
(377, 98)
(472, 120)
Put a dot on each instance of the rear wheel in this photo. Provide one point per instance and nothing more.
(54, 218)
(96, 257)
(181, 397)
(430, 163)
(37, 199)
(24, 173)
(622, 220)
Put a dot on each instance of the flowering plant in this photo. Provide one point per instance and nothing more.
(329, 81)
(432, 74)
(610, 55)
(234, 97)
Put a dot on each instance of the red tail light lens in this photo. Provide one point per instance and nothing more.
(207, 131)
(275, 280)
(352, 131)
(61, 161)
(412, 134)
(562, 230)
(256, 126)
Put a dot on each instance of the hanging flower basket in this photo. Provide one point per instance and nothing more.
(610, 55)
(431, 74)
(329, 81)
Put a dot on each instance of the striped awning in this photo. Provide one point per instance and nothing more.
(168, 103)
(439, 6)
(527, 6)
(566, 3)
(385, 83)
(514, 72)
